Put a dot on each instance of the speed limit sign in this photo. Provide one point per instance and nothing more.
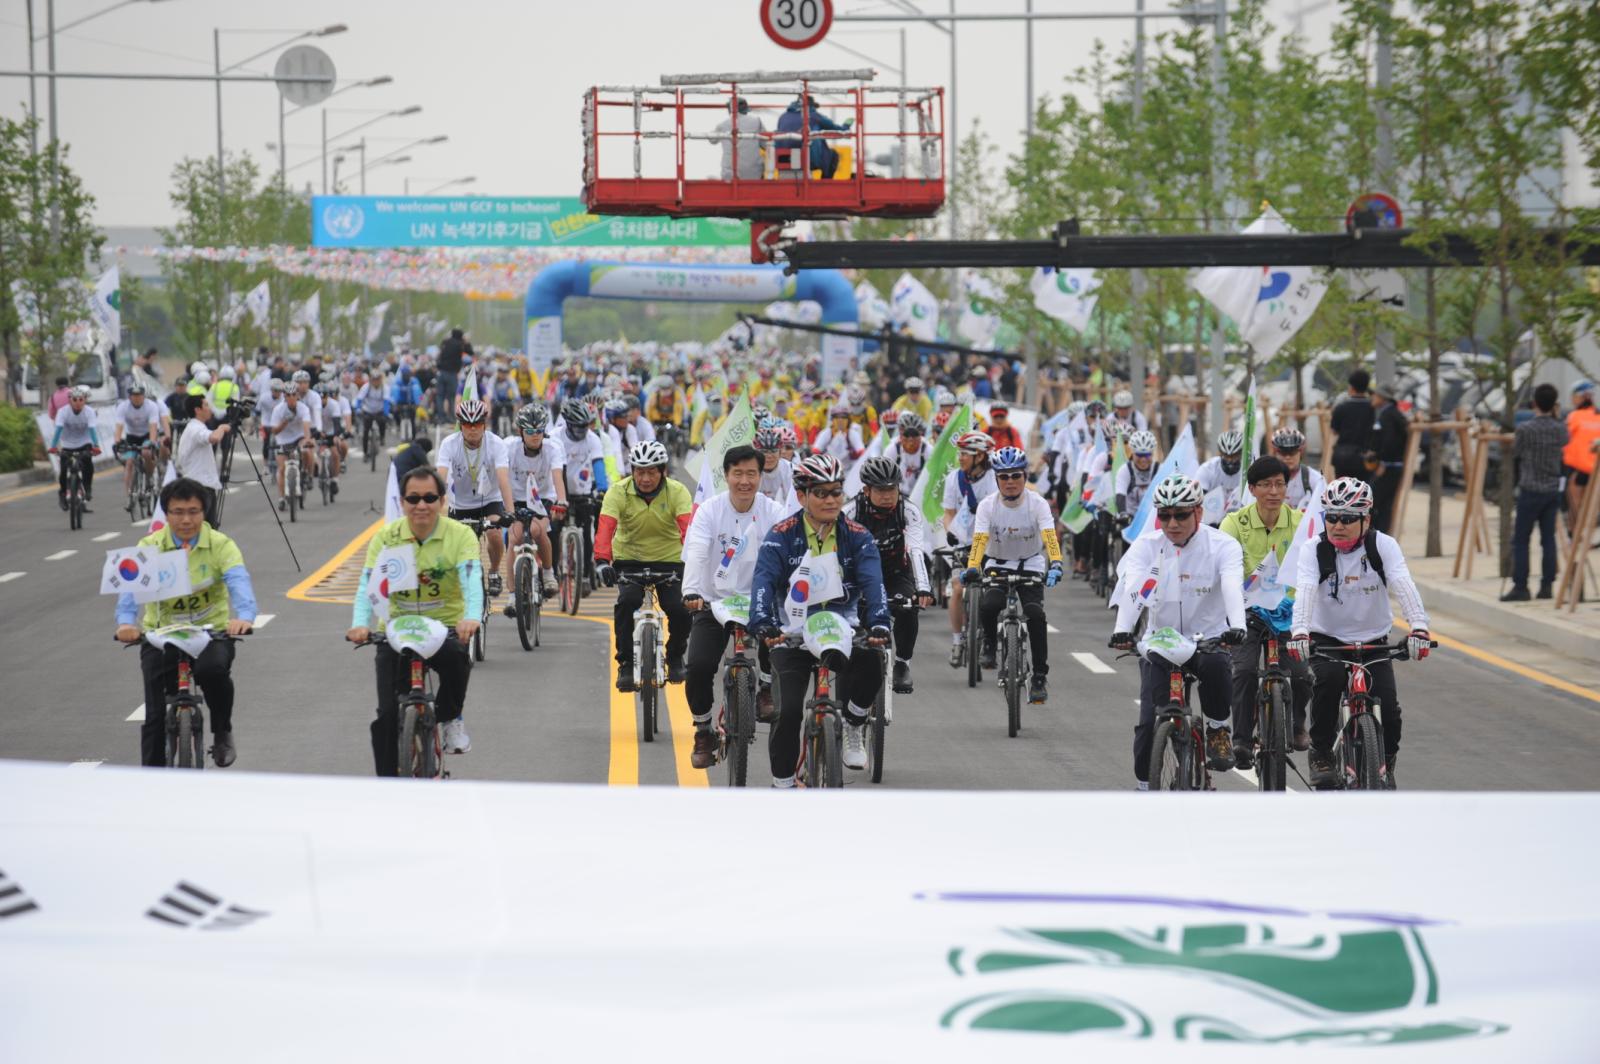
(796, 23)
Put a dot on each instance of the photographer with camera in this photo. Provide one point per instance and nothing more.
(194, 457)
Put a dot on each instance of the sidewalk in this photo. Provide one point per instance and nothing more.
(44, 473)
(1477, 601)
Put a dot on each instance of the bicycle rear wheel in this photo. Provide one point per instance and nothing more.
(571, 572)
(1272, 765)
(524, 587)
(647, 682)
(876, 735)
(1363, 753)
(739, 724)
(1169, 759)
(75, 504)
(1011, 670)
(974, 638)
(291, 487)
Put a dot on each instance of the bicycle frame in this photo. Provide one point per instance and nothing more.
(649, 611)
(819, 709)
(417, 694)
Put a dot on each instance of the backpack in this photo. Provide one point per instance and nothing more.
(1327, 563)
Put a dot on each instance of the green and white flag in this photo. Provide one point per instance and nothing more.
(740, 427)
(1250, 418)
(929, 488)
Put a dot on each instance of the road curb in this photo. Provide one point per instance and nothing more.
(1554, 631)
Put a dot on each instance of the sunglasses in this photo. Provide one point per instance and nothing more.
(826, 493)
(430, 498)
(1343, 519)
(1174, 515)
(1009, 476)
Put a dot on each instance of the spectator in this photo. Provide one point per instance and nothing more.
(1583, 429)
(749, 131)
(58, 398)
(448, 365)
(1537, 448)
(982, 387)
(1001, 430)
(1387, 454)
(1352, 427)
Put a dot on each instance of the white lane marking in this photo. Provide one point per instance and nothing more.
(264, 619)
(102, 537)
(1090, 662)
(1251, 778)
(60, 554)
(139, 524)
(137, 714)
(6, 578)
(1052, 629)
(85, 762)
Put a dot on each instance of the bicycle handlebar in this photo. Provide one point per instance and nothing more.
(647, 577)
(1367, 652)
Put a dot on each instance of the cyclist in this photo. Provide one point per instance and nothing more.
(584, 472)
(1122, 409)
(505, 392)
(472, 462)
(449, 590)
(405, 395)
(1133, 479)
(301, 383)
(842, 557)
(372, 403)
(965, 487)
(719, 550)
(789, 447)
(842, 438)
(1001, 430)
(335, 429)
(1266, 525)
(138, 422)
(667, 402)
(915, 400)
(1342, 591)
(642, 429)
(1305, 483)
(777, 473)
(1015, 532)
(538, 477)
(620, 437)
(1220, 473)
(1189, 577)
(897, 527)
(708, 421)
(289, 429)
(642, 523)
(77, 440)
(1063, 450)
(220, 595)
(910, 452)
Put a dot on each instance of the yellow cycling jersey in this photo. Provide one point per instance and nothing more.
(207, 601)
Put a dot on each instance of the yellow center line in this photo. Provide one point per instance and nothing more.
(301, 591)
(682, 722)
(624, 767)
(1510, 666)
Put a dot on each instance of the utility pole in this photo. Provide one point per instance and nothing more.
(1383, 56)
(1028, 76)
(1136, 280)
(33, 88)
(1219, 184)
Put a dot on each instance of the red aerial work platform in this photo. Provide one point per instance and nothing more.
(637, 157)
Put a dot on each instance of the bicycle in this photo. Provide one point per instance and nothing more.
(1359, 748)
(421, 738)
(736, 725)
(822, 741)
(292, 488)
(77, 500)
(940, 573)
(1273, 700)
(972, 639)
(185, 710)
(882, 714)
(525, 577)
(1178, 751)
(142, 491)
(570, 555)
(1016, 665)
(368, 423)
(649, 666)
(1106, 553)
(480, 525)
(325, 478)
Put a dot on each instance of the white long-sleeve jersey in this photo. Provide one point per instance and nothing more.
(1353, 604)
(718, 528)
(1198, 588)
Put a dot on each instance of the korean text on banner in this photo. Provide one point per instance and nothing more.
(502, 221)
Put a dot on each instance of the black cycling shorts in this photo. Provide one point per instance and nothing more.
(478, 513)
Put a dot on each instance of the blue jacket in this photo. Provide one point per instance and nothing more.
(405, 390)
(781, 553)
(791, 122)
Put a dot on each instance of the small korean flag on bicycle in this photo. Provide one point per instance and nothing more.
(145, 573)
(816, 579)
(1262, 587)
(395, 569)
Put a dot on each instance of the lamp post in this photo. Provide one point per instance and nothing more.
(470, 179)
(382, 114)
(216, 52)
(284, 113)
(360, 147)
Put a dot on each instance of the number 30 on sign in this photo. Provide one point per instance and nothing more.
(796, 23)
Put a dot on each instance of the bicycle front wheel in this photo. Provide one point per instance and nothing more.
(739, 724)
(1272, 765)
(569, 573)
(524, 586)
(1363, 753)
(647, 682)
(419, 752)
(1169, 759)
(974, 638)
(876, 734)
(1011, 670)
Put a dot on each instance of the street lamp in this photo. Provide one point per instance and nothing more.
(401, 113)
(361, 147)
(471, 178)
(367, 83)
(216, 53)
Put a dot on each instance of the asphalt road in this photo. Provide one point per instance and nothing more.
(550, 715)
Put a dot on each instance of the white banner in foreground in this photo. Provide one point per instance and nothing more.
(338, 919)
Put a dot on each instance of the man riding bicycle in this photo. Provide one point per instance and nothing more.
(538, 476)
(1220, 473)
(1188, 577)
(289, 428)
(1015, 533)
(777, 473)
(840, 557)
(449, 590)
(220, 595)
(1342, 591)
(584, 471)
(472, 462)
(138, 422)
(965, 487)
(1134, 478)
(642, 524)
(1305, 483)
(897, 527)
(910, 449)
(718, 551)
(77, 441)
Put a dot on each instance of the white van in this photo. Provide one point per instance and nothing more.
(94, 370)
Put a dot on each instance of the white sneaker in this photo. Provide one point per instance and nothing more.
(548, 584)
(855, 745)
(455, 737)
(510, 609)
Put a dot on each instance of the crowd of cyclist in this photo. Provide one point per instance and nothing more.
(595, 449)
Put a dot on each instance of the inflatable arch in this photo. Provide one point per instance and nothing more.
(668, 282)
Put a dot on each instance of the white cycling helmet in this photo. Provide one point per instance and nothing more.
(1122, 399)
(974, 442)
(816, 469)
(1178, 492)
(1347, 495)
(1288, 439)
(1231, 442)
(471, 412)
(226, 373)
(647, 454)
(203, 378)
(1142, 442)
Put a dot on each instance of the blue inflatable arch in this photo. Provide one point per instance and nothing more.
(669, 282)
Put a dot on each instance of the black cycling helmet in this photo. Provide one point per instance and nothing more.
(880, 472)
(533, 418)
(576, 413)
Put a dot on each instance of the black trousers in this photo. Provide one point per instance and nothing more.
(1539, 509)
(856, 682)
(208, 500)
(707, 641)
(452, 665)
(212, 671)
(993, 603)
(669, 596)
(906, 623)
(85, 462)
(1385, 485)
(1216, 688)
(1246, 683)
(1330, 680)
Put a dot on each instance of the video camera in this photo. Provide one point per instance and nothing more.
(239, 409)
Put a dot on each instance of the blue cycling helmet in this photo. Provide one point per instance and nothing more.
(1009, 458)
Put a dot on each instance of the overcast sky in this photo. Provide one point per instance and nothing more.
(502, 79)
